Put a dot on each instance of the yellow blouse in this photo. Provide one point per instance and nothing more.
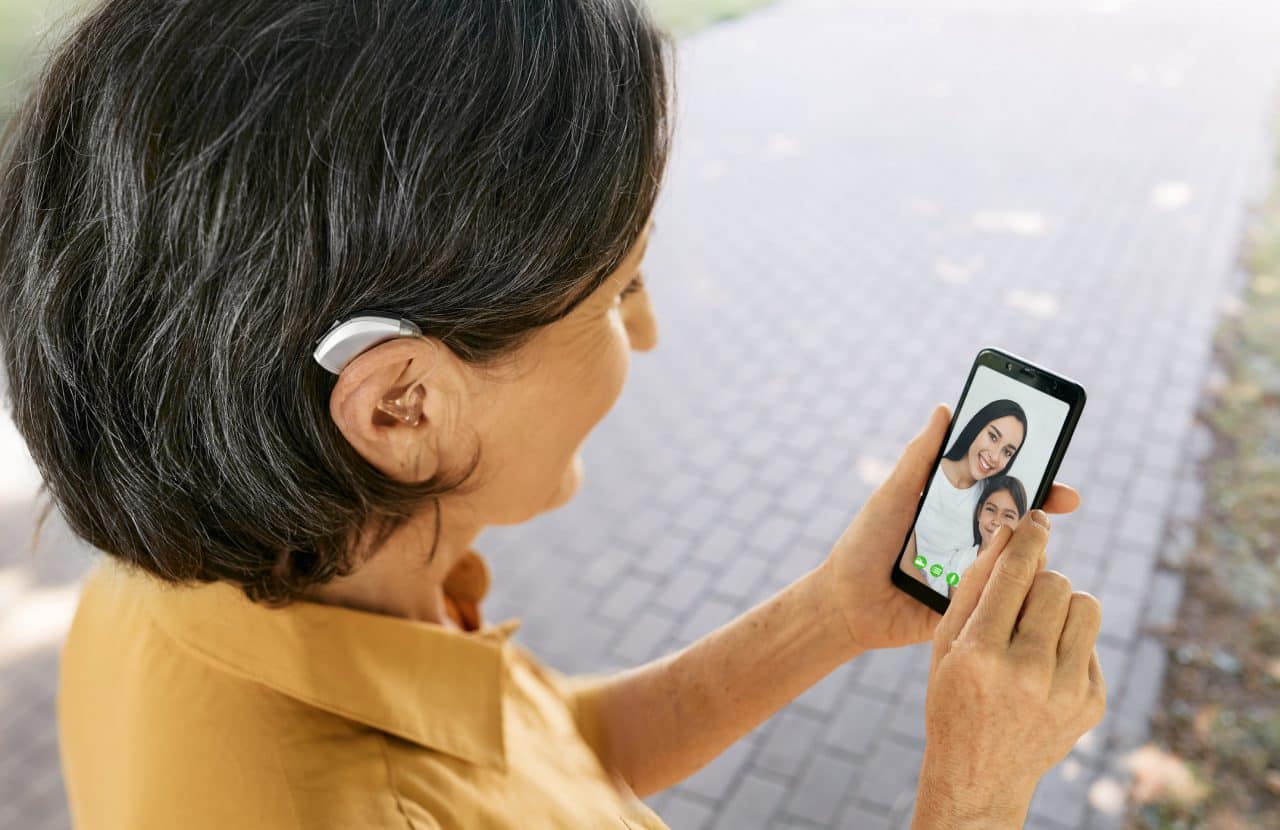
(194, 708)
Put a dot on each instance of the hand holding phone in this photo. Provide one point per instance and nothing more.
(878, 614)
(1012, 428)
(1014, 683)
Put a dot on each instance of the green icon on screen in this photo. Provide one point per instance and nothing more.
(936, 570)
(921, 562)
(953, 579)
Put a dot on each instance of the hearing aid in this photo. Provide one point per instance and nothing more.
(350, 336)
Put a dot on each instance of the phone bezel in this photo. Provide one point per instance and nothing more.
(1036, 377)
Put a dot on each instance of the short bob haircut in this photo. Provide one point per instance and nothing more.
(990, 412)
(196, 189)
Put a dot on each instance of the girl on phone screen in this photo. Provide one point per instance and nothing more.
(1003, 502)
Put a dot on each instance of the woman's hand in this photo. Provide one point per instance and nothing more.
(878, 614)
(1014, 683)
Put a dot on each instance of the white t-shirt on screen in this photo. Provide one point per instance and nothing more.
(946, 520)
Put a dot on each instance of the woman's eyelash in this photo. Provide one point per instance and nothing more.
(635, 285)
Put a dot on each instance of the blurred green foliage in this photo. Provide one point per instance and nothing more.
(26, 28)
(685, 16)
(1224, 716)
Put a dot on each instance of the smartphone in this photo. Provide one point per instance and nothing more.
(1002, 450)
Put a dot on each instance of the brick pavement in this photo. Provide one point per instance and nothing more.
(864, 194)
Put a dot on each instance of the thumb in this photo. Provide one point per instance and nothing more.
(911, 472)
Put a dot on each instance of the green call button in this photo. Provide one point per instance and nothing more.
(953, 579)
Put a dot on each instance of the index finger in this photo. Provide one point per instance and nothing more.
(1012, 574)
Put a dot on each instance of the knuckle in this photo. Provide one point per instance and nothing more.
(1087, 608)
(1032, 684)
(977, 658)
(1034, 530)
(1018, 564)
(1054, 583)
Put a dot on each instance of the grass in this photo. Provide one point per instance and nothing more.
(687, 16)
(1221, 713)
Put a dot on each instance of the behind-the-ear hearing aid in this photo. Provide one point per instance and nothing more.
(350, 336)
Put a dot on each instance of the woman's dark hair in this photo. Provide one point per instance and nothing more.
(990, 412)
(990, 487)
(196, 189)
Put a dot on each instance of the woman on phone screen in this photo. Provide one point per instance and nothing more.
(987, 446)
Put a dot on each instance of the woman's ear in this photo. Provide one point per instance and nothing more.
(388, 404)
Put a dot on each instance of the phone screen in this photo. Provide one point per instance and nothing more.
(996, 460)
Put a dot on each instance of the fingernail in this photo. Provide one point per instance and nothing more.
(1040, 517)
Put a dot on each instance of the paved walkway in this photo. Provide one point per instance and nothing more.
(864, 194)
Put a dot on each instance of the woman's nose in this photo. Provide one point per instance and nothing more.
(641, 323)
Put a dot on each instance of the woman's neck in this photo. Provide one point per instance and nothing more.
(957, 474)
(398, 580)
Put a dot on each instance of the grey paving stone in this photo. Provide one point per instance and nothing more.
(711, 454)
(749, 505)
(821, 789)
(803, 496)
(773, 534)
(720, 545)
(685, 587)
(822, 697)
(741, 578)
(1188, 501)
(860, 718)
(707, 617)
(1142, 527)
(789, 743)
(824, 525)
(1121, 610)
(1062, 798)
(624, 600)
(1164, 598)
(857, 817)
(699, 512)
(884, 670)
(643, 637)
(889, 776)
(1142, 692)
(731, 476)
(752, 803)
(644, 524)
(1114, 660)
(907, 721)
(602, 572)
(678, 487)
(713, 781)
(684, 811)
(1152, 492)
(663, 556)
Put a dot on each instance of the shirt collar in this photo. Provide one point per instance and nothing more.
(427, 683)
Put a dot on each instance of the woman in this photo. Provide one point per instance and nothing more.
(987, 446)
(1003, 502)
(285, 630)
